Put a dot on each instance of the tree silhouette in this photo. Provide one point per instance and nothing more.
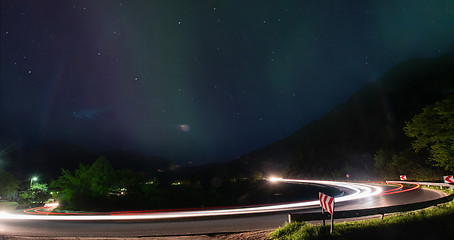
(433, 129)
(8, 183)
(88, 187)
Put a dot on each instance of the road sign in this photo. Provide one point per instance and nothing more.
(327, 204)
(403, 177)
(448, 179)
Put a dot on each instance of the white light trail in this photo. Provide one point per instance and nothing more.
(275, 179)
(359, 191)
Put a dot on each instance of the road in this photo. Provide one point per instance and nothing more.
(19, 227)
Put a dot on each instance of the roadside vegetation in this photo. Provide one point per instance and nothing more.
(433, 130)
(8, 184)
(7, 206)
(430, 150)
(100, 187)
(430, 223)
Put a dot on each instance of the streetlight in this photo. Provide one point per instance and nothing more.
(33, 179)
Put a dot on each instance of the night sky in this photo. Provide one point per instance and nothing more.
(200, 81)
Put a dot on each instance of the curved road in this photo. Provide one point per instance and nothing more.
(19, 227)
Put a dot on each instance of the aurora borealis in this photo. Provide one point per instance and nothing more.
(199, 81)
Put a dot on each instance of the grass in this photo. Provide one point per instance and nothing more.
(431, 223)
(7, 206)
(444, 189)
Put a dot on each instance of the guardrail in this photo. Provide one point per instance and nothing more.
(371, 211)
(425, 184)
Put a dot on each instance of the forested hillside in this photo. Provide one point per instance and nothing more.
(367, 127)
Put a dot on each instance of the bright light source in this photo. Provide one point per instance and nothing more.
(275, 179)
(33, 179)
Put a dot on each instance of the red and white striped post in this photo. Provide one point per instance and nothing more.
(327, 204)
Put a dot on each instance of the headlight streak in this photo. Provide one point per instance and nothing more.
(359, 190)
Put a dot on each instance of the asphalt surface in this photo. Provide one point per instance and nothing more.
(14, 229)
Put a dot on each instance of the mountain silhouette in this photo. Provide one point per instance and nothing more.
(347, 137)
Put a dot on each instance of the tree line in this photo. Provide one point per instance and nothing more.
(430, 151)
